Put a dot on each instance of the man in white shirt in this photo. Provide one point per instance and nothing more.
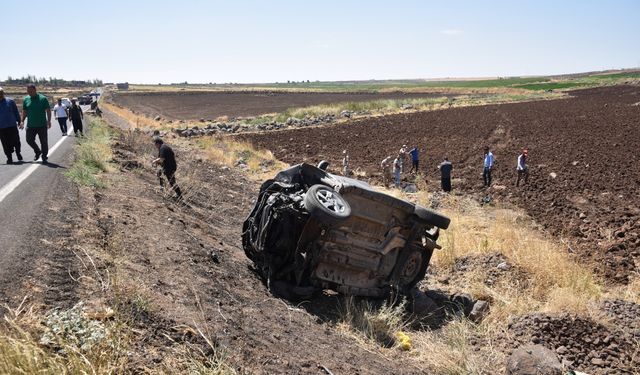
(522, 168)
(488, 166)
(61, 113)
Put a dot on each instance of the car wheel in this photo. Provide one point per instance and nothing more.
(413, 269)
(325, 204)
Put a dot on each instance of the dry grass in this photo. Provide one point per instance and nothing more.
(554, 282)
(135, 121)
(373, 323)
(225, 151)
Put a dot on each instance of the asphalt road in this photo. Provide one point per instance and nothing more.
(27, 190)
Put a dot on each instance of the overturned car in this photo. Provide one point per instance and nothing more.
(312, 230)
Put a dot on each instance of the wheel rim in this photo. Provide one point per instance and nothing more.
(330, 201)
(411, 267)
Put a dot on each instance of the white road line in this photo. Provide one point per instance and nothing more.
(13, 184)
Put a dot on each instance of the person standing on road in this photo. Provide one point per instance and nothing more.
(36, 108)
(445, 174)
(9, 121)
(415, 159)
(76, 116)
(397, 169)
(488, 166)
(345, 163)
(61, 113)
(167, 159)
(522, 168)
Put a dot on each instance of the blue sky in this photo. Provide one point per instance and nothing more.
(274, 41)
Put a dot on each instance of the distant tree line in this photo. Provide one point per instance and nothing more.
(51, 81)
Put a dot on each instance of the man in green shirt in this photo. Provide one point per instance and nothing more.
(36, 108)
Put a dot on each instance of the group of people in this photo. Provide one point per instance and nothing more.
(73, 112)
(394, 167)
(36, 114)
(521, 167)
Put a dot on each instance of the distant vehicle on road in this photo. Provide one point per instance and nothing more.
(66, 102)
(85, 99)
(94, 94)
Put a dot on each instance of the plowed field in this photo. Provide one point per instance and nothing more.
(589, 142)
(210, 105)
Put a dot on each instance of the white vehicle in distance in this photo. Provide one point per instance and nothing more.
(66, 102)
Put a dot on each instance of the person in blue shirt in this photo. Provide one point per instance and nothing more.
(9, 121)
(415, 159)
(488, 166)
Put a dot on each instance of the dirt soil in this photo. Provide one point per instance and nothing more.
(583, 156)
(210, 105)
(176, 269)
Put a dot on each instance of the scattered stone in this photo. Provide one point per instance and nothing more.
(553, 175)
(410, 188)
(504, 266)
(582, 215)
(574, 163)
(562, 350)
(157, 118)
(533, 359)
(479, 311)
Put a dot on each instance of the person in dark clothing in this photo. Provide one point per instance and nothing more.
(167, 159)
(445, 174)
(415, 159)
(9, 121)
(487, 166)
(76, 116)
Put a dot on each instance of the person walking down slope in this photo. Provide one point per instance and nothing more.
(76, 116)
(36, 108)
(397, 169)
(415, 159)
(167, 159)
(345, 163)
(488, 166)
(61, 113)
(9, 121)
(522, 168)
(445, 174)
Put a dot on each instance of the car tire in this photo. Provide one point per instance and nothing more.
(413, 269)
(431, 217)
(326, 205)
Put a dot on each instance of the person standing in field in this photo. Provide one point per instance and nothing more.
(61, 113)
(385, 169)
(345, 163)
(76, 116)
(445, 174)
(522, 167)
(415, 159)
(9, 121)
(167, 159)
(36, 108)
(487, 166)
(397, 169)
(402, 154)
